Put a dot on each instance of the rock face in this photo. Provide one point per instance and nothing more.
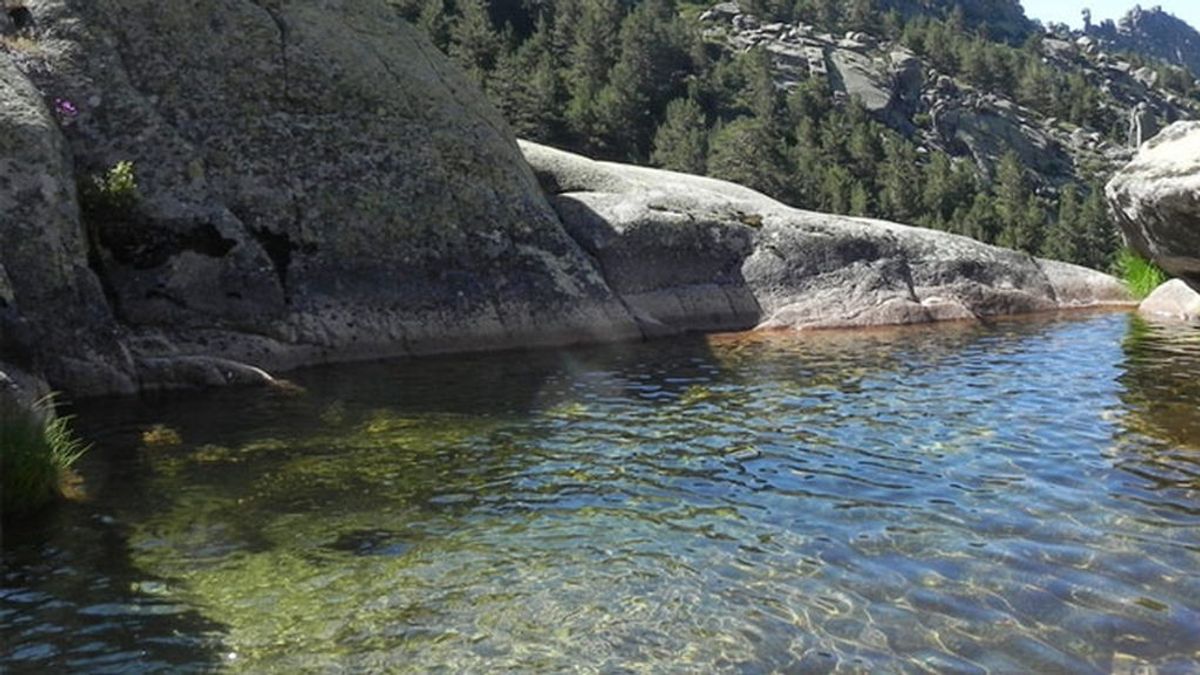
(316, 183)
(53, 314)
(1154, 33)
(1156, 201)
(937, 111)
(1173, 301)
(321, 185)
(686, 252)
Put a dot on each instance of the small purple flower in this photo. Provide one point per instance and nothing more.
(65, 109)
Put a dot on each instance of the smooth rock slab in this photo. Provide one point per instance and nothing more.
(686, 252)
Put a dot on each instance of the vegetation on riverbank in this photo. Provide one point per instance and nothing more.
(37, 450)
(639, 82)
(1141, 275)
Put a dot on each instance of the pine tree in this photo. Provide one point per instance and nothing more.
(474, 42)
(836, 187)
(592, 55)
(979, 221)
(810, 102)
(1100, 241)
(525, 85)
(863, 147)
(681, 143)
(900, 181)
(744, 152)
(804, 182)
(654, 58)
(861, 16)
(1065, 239)
(827, 14)
(937, 198)
(759, 95)
(1020, 221)
(432, 19)
(770, 10)
(860, 200)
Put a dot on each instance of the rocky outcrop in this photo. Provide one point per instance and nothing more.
(54, 318)
(1154, 33)
(321, 185)
(938, 111)
(1173, 301)
(1156, 201)
(686, 252)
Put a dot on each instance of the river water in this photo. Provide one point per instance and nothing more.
(1017, 497)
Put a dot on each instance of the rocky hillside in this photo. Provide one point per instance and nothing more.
(960, 116)
(1151, 33)
(948, 109)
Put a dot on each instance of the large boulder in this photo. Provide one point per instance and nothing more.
(690, 252)
(859, 76)
(1173, 301)
(315, 183)
(1156, 201)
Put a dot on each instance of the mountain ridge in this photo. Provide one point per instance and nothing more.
(1152, 33)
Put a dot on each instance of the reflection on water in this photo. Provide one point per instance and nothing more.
(1015, 498)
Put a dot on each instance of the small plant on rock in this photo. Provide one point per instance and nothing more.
(114, 193)
(107, 203)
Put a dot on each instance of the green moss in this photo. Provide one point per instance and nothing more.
(37, 450)
(1141, 275)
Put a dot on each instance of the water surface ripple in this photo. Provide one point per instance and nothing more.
(1021, 497)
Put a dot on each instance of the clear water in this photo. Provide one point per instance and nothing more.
(1023, 497)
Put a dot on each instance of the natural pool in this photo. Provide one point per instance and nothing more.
(1020, 497)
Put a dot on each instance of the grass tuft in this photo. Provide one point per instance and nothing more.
(1141, 275)
(37, 450)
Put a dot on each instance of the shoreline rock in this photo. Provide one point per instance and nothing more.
(324, 186)
(1156, 201)
(1174, 302)
(686, 251)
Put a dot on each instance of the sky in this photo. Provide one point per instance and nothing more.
(1068, 11)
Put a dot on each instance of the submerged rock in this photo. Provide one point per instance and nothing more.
(686, 252)
(1156, 201)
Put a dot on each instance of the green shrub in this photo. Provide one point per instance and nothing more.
(113, 194)
(37, 449)
(1141, 275)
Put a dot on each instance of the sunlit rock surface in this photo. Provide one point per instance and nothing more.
(316, 183)
(718, 254)
(1156, 200)
(325, 186)
(1173, 301)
